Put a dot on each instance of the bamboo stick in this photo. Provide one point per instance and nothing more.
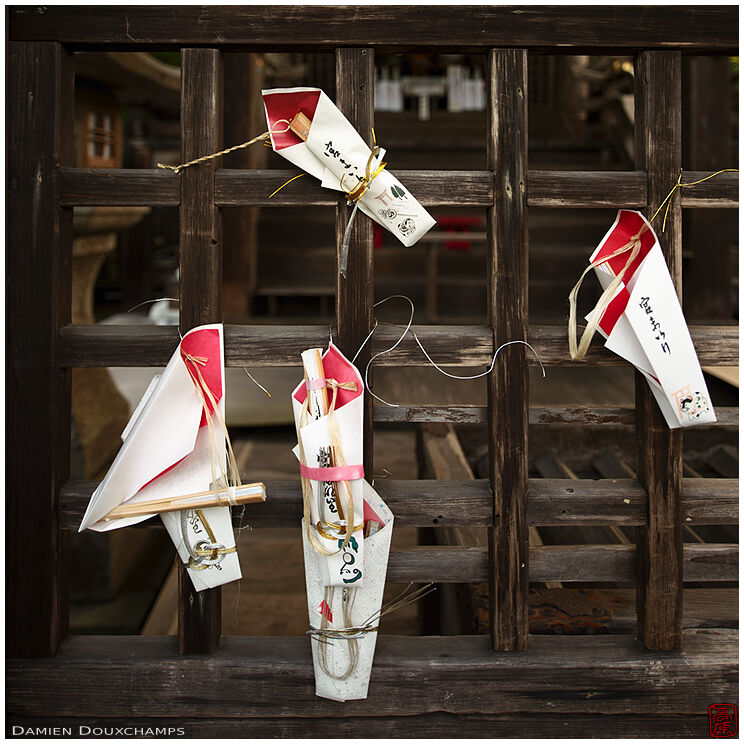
(249, 493)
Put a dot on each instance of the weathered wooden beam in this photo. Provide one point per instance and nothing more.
(727, 416)
(279, 346)
(96, 187)
(616, 29)
(586, 189)
(429, 503)
(200, 274)
(273, 678)
(508, 381)
(658, 132)
(355, 94)
(38, 286)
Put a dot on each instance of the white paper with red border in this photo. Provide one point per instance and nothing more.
(368, 600)
(645, 325)
(165, 453)
(334, 147)
(323, 571)
(345, 568)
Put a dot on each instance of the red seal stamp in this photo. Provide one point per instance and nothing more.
(722, 720)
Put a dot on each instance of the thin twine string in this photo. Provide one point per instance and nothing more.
(368, 626)
(175, 299)
(354, 196)
(426, 354)
(260, 138)
(634, 246)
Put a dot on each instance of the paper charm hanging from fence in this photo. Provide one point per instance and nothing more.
(176, 460)
(640, 316)
(319, 139)
(346, 528)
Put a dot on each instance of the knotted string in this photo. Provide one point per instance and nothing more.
(220, 480)
(354, 195)
(369, 625)
(579, 351)
(261, 138)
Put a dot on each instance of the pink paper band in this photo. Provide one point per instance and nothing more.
(324, 475)
(318, 384)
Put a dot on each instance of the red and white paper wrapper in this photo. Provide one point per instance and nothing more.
(166, 453)
(334, 149)
(370, 554)
(644, 323)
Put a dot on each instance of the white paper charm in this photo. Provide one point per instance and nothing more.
(345, 582)
(335, 153)
(166, 453)
(644, 323)
(333, 657)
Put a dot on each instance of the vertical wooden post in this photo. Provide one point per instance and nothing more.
(355, 293)
(200, 263)
(39, 280)
(659, 545)
(508, 383)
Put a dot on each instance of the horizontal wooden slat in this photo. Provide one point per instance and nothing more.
(710, 500)
(423, 414)
(720, 191)
(438, 564)
(554, 501)
(401, 27)
(617, 563)
(280, 346)
(233, 187)
(437, 503)
(419, 503)
(564, 415)
(432, 188)
(119, 188)
(586, 189)
(711, 342)
(273, 677)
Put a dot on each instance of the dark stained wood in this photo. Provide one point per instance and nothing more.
(658, 132)
(432, 188)
(88, 187)
(401, 28)
(430, 503)
(38, 282)
(235, 187)
(438, 564)
(710, 501)
(711, 562)
(510, 725)
(418, 503)
(273, 677)
(558, 501)
(714, 345)
(721, 191)
(586, 189)
(200, 272)
(355, 94)
(279, 346)
(508, 382)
